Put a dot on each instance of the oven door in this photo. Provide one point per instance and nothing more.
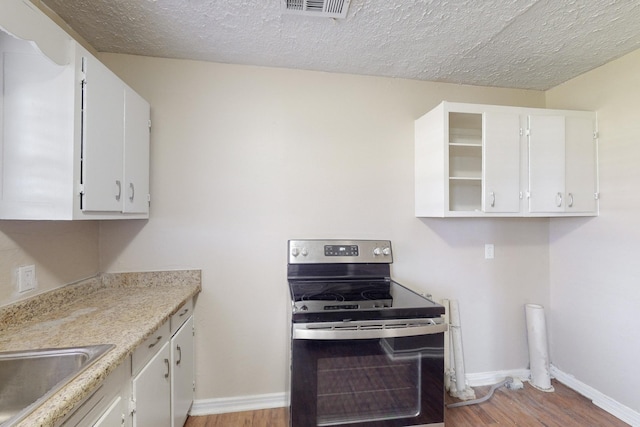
(367, 375)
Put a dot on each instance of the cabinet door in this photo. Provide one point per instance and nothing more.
(136, 153)
(501, 162)
(102, 138)
(113, 416)
(581, 170)
(546, 163)
(152, 391)
(182, 373)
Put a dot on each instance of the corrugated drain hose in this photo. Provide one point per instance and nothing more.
(486, 397)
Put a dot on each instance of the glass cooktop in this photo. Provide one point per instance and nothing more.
(337, 300)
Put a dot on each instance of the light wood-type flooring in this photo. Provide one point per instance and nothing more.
(527, 407)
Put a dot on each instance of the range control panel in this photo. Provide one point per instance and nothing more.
(339, 251)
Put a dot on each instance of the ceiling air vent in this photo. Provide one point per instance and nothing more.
(320, 8)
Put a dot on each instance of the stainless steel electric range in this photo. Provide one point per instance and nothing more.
(365, 350)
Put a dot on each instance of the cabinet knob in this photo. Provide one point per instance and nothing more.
(132, 191)
(570, 203)
(493, 199)
(119, 192)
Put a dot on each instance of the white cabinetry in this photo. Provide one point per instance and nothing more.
(162, 383)
(74, 137)
(562, 164)
(151, 390)
(107, 406)
(103, 137)
(182, 373)
(485, 160)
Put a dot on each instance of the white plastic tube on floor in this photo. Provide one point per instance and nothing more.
(538, 351)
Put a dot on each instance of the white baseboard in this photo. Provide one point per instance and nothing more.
(490, 378)
(238, 404)
(613, 407)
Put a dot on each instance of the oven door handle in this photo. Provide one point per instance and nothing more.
(359, 332)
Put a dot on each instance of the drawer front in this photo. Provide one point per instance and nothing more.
(149, 347)
(181, 316)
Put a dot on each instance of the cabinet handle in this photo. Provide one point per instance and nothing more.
(119, 185)
(132, 191)
(493, 199)
(570, 196)
(559, 199)
(185, 311)
(166, 361)
(157, 341)
(179, 355)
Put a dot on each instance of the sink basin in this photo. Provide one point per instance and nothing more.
(28, 378)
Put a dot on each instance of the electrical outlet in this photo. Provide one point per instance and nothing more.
(26, 278)
(489, 251)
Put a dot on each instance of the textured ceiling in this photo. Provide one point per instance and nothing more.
(532, 44)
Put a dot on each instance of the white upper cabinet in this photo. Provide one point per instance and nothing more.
(74, 138)
(103, 138)
(137, 122)
(501, 163)
(546, 163)
(485, 160)
(563, 164)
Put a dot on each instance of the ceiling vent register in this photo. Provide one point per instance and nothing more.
(318, 8)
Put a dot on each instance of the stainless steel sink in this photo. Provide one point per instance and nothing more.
(28, 378)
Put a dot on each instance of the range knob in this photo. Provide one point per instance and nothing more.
(386, 251)
(377, 251)
(295, 251)
(304, 252)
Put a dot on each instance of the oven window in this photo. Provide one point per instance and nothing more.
(367, 388)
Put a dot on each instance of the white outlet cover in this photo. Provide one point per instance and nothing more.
(489, 251)
(26, 278)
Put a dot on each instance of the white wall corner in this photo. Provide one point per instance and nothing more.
(599, 399)
(239, 404)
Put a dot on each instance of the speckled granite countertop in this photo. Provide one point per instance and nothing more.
(120, 309)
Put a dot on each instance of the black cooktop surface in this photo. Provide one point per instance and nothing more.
(357, 299)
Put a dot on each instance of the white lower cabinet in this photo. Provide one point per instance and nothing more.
(151, 391)
(182, 373)
(162, 367)
(107, 405)
(113, 416)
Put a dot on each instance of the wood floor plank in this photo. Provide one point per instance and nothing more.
(523, 408)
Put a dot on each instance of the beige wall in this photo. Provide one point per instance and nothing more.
(63, 252)
(595, 263)
(244, 158)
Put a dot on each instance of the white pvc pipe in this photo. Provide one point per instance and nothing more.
(538, 350)
(462, 391)
(458, 357)
(447, 347)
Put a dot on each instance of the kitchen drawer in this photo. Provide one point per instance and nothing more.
(149, 347)
(181, 316)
